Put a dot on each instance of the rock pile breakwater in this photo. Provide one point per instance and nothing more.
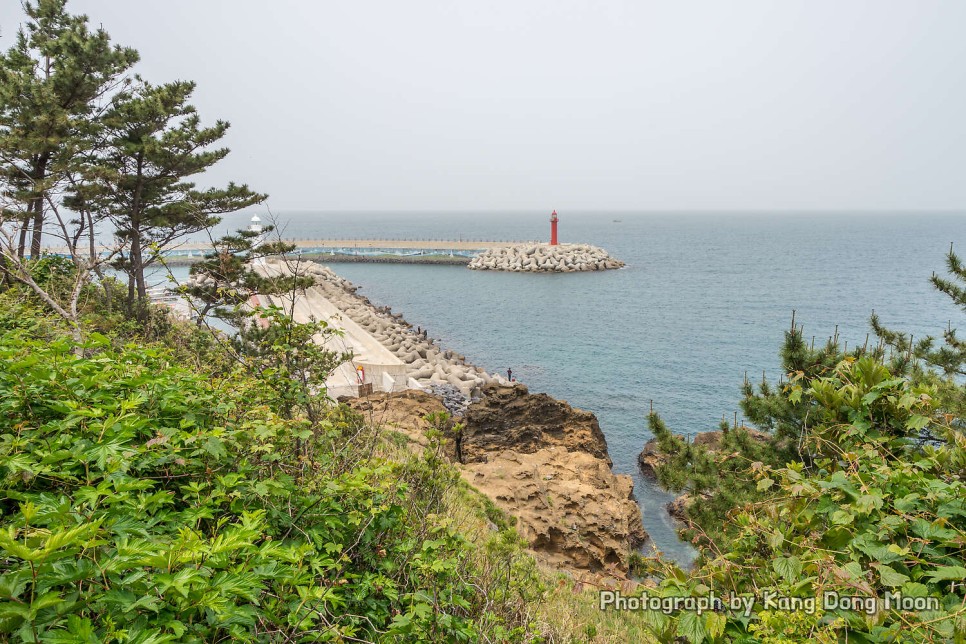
(426, 362)
(544, 258)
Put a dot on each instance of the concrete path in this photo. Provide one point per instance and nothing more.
(441, 245)
(380, 367)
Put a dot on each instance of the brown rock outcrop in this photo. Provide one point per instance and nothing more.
(403, 411)
(541, 461)
(650, 458)
(678, 507)
(571, 508)
(546, 463)
(510, 418)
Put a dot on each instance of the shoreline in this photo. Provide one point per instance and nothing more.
(441, 373)
(518, 449)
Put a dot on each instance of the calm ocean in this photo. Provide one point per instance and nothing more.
(704, 299)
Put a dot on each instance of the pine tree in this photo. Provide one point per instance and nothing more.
(805, 398)
(913, 356)
(941, 363)
(52, 85)
(225, 280)
(155, 142)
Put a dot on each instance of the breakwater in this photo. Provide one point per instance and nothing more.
(544, 258)
(425, 361)
(347, 258)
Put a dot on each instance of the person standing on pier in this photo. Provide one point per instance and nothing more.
(509, 374)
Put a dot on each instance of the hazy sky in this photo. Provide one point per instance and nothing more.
(539, 104)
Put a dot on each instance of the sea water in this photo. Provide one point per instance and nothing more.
(704, 299)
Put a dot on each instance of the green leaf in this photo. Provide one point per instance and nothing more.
(215, 447)
(788, 567)
(891, 578)
(17, 549)
(764, 484)
(948, 573)
(841, 517)
(913, 589)
(69, 537)
(917, 422)
(715, 624)
(691, 627)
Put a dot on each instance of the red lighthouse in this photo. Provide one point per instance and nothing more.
(553, 228)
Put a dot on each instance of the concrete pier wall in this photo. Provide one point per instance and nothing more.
(380, 339)
(379, 366)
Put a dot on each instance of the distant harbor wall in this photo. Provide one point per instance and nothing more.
(354, 258)
(476, 254)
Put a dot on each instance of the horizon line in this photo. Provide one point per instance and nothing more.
(632, 210)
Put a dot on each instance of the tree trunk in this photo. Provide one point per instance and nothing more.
(137, 292)
(137, 260)
(39, 173)
(38, 230)
(137, 267)
(24, 225)
(4, 277)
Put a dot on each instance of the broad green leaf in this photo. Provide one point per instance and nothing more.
(691, 627)
(788, 567)
(917, 422)
(948, 573)
(715, 624)
(842, 517)
(891, 578)
(913, 589)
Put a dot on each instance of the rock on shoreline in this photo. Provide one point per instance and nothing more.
(544, 258)
(547, 464)
(510, 417)
(552, 472)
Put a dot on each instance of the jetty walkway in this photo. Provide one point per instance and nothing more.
(462, 247)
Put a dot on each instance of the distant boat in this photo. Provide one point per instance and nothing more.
(617, 221)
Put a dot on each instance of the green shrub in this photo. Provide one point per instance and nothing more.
(871, 512)
(144, 502)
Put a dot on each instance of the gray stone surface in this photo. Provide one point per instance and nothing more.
(544, 258)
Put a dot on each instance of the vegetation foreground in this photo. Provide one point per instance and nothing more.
(163, 482)
(155, 487)
(146, 502)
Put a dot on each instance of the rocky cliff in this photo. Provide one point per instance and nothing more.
(509, 417)
(546, 463)
(572, 509)
(541, 461)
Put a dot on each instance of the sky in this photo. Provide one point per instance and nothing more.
(567, 104)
